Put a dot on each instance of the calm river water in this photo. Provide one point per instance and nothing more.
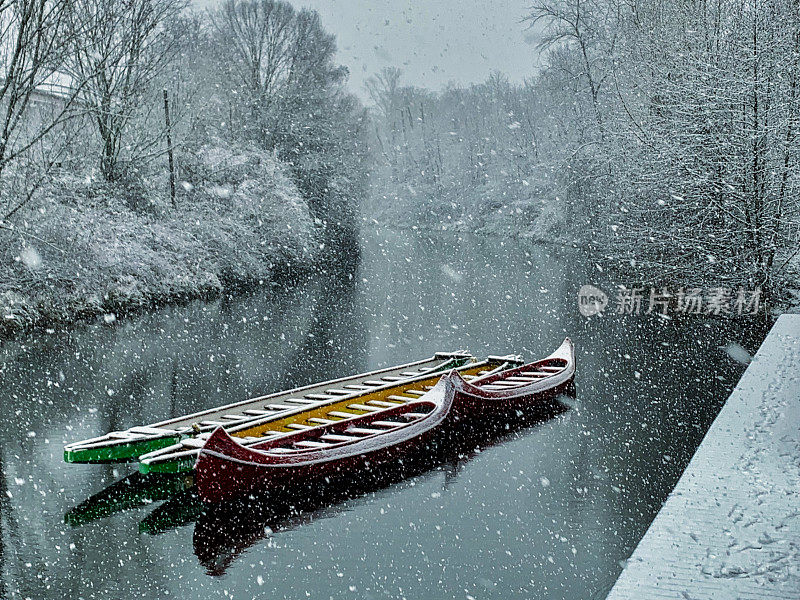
(550, 510)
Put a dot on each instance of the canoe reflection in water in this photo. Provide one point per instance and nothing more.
(225, 530)
(131, 492)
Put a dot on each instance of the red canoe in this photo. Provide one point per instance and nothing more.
(226, 469)
(516, 389)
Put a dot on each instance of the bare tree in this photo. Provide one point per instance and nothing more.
(124, 48)
(711, 191)
(384, 91)
(277, 64)
(258, 38)
(580, 25)
(34, 39)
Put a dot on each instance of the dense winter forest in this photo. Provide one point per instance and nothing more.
(664, 135)
(151, 153)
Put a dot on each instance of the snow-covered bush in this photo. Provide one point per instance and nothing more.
(240, 221)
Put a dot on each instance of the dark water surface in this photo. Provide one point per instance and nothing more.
(548, 511)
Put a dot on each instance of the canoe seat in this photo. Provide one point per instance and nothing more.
(392, 378)
(415, 392)
(363, 430)
(410, 373)
(277, 406)
(318, 396)
(383, 404)
(398, 399)
(341, 414)
(391, 424)
(233, 417)
(257, 413)
(257, 438)
(311, 444)
(414, 415)
(357, 387)
(335, 437)
(193, 443)
(551, 369)
(373, 383)
(535, 374)
(363, 407)
(299, 426)
(338, 392)
(320, 420)
(301, 401)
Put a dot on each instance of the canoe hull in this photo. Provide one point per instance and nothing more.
(182, 456)
(220, 479)
(226, 469)
(470, 413)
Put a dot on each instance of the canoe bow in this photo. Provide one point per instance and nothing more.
(556, 371)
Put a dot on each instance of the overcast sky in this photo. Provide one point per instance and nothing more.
(433, 41)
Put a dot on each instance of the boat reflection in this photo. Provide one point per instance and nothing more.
(134, 491)
(224, 531)
(176, 512)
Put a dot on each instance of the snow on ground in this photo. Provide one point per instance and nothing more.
(764, 532)
(731, 527)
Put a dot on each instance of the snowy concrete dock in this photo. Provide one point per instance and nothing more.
(731, 527)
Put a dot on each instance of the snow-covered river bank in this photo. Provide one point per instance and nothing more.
(552, 507)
